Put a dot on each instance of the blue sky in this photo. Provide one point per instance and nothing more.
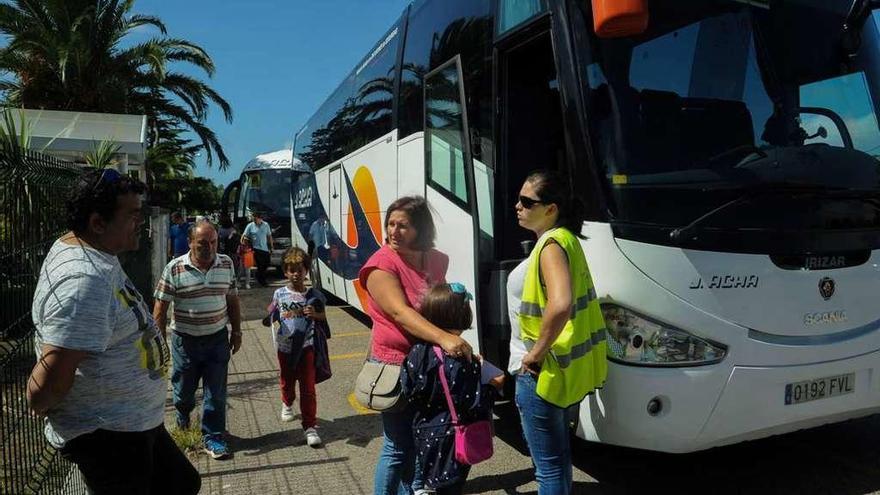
(277, 60)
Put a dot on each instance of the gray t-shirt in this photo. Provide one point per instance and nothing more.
(84, 301)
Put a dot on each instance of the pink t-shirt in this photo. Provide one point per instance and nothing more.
(391, 343)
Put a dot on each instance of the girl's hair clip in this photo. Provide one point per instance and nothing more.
(459, 288)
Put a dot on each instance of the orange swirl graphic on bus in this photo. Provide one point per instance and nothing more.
(362, 227)
(365, 191)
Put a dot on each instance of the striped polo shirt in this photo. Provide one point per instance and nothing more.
(199, 298)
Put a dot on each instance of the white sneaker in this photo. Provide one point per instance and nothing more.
(312, 437)
(424, 491)
(286, 413)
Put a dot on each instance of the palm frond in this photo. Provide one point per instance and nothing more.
(70, 55)
(103, 154)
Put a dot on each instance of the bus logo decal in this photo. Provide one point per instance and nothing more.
(826, 288)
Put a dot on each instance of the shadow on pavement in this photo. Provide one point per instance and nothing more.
(835, 459)
(248, 388)
(509, 482)
(839, 459)
(286, 465)
(356, 430)
(509, 431)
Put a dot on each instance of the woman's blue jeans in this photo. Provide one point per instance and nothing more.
(397, 472)
(545, 427)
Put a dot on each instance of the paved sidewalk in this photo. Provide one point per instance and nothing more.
(271, 457)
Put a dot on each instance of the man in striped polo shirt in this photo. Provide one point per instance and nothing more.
(201, 284)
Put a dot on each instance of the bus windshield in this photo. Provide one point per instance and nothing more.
(722, 98)
(267, 191)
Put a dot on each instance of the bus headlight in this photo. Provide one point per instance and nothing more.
(636, 339)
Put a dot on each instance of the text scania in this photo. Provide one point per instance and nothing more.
(824, 317)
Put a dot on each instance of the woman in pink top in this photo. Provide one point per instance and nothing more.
(396, 277)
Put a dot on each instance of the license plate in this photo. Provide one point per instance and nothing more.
(820, 388)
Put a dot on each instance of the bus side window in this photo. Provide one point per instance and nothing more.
(444, 128)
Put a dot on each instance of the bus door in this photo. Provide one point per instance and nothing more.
(531, 128)
(449, 180)
(329, 279)
(530, 136)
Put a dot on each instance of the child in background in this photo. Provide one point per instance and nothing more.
(299, 327)
(448, 307)
(246, 255)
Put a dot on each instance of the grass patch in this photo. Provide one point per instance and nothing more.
(189, 440)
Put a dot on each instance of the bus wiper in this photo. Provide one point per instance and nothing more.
(686, 231)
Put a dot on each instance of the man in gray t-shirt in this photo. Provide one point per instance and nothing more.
(101, 376)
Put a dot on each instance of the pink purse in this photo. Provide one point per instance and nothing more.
(473, 442)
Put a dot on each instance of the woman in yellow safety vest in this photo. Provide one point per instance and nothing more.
(557, 344)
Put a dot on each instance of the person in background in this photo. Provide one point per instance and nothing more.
(201, 284)
(228, 242)
(396, 277)
(259, 234)
(101, 376)
(178, 242)
(318, 235)
(554, 316)
(245, 255)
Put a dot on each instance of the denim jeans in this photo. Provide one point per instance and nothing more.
(397, 473)
(137, 462)
(206, 359)
(546, 430)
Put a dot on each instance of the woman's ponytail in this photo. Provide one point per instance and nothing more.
(573, 220)
(552, 187)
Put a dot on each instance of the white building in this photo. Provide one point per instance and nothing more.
(72, 135)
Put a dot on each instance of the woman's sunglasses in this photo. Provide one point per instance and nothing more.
(528, 202)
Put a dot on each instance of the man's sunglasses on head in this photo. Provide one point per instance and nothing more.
(108, 176)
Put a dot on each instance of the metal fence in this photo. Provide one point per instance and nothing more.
(32, 192)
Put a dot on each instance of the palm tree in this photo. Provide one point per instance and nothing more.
(71, 55)
(103, 154)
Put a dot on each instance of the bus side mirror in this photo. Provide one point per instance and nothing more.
(619, 18)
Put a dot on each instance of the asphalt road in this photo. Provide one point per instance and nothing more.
(271, 457)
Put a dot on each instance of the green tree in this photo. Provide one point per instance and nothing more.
(71, 55)
(193, 194)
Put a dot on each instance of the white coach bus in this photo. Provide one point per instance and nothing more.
(727, 154)
(264, 186)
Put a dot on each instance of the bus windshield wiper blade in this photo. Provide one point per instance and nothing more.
(679, 233)
(683, 232)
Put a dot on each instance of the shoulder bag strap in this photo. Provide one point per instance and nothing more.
(442, 373)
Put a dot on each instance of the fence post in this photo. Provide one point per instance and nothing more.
(160, 224)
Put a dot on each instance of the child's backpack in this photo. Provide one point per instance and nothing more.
(473, 441)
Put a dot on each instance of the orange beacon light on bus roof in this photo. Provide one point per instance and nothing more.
(619, 18)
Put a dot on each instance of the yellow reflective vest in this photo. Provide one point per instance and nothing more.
(575, 365)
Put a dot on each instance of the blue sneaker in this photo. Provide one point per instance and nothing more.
(216, 448)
